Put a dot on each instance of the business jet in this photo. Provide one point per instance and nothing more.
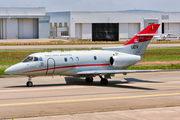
(161, 37)
(104, 63)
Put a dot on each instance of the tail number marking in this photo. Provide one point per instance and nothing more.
(134, 46)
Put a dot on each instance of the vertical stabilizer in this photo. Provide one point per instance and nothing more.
(138, 44)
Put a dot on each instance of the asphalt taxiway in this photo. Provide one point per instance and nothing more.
(73, 96)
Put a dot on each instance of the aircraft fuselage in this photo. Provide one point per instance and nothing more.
(70, 62)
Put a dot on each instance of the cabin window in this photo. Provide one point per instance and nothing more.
(77, 59)
(71, 59)
(95, 58)
(65, 59)
(28, 59)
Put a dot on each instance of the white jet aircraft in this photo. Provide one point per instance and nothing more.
(103, 63)
(161, 37)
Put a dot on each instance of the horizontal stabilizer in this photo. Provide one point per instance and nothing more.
(146, 34)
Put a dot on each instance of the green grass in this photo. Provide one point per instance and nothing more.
(161, 54)
(2, 69)
(10, 57)
(81, 42)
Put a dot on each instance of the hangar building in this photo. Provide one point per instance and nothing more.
(111, 26)
(24, 23)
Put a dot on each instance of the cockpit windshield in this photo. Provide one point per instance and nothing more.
(31, 59)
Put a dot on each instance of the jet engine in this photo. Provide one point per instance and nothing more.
(124, 60)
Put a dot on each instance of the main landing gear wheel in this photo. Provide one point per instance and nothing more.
(29, 84)
(89, 79)
(104, 81)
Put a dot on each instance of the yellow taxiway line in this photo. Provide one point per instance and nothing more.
(89, 99)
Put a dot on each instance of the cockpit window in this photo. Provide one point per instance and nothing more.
(31, 58)
(35, 58)
(28, 59)
(40, 59)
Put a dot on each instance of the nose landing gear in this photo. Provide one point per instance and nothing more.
(29, 83)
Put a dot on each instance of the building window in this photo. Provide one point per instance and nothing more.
(51, 25)
(60, 24)
(55, 24)
(65, 24)
(64, 33)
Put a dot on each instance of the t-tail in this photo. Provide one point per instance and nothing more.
(138, 44)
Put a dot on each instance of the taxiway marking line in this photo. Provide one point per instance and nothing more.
(89, 99)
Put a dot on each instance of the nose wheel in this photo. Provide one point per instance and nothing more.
(29, 83)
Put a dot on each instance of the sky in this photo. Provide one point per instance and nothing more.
(96, 5)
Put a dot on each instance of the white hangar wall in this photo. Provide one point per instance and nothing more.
(23, 23)
(80, 24)
(129, 23)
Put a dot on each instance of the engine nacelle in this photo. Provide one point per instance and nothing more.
(124, 60)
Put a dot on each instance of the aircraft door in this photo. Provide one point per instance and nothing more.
(50, 66)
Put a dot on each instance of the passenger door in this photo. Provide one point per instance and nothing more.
(50, 66)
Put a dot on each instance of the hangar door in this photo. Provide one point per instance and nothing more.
(27, 28)
(128, 30)
(133, 28)
(105, 32)
(0, 28)
(172, 28)
(8, 28)
(78, 30)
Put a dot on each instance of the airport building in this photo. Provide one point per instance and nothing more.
(110, 26)
(24, 23)
(34, 22)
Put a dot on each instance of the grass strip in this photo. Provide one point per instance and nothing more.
(2, 69)
(81, 42)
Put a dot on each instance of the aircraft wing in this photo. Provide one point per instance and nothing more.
(97, 72)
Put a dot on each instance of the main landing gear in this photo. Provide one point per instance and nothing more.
(29, 83)
(103, 81)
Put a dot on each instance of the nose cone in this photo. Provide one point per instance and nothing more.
(11, 70)
(15, 69)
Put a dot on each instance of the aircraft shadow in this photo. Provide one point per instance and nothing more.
(138, 80)
(70, 81)
(112, 83)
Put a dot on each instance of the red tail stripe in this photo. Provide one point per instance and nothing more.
(150, 29)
